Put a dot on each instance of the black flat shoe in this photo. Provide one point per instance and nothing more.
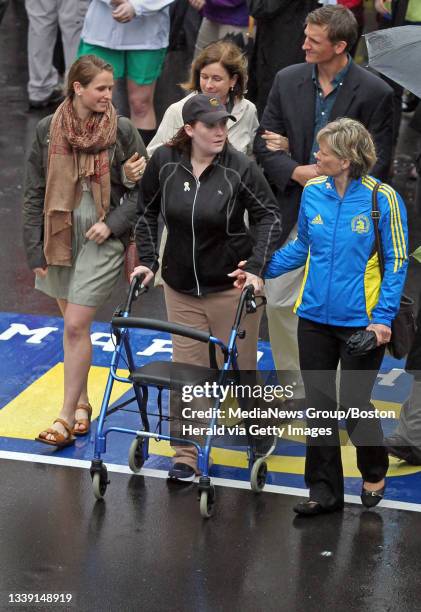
(372, 498)
(312, 508)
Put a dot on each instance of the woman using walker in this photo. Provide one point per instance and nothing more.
(202, 186)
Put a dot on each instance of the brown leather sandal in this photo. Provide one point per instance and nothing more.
(85, 423)
(60, 441)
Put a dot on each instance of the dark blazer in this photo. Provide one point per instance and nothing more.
(290, 111)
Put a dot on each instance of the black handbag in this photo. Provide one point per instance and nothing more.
(403, 326)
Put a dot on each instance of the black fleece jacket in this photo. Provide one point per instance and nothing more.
(207, 235)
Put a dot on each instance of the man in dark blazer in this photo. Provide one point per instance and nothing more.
(304, 97)
(291, 108)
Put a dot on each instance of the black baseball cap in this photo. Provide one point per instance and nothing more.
(208, 109)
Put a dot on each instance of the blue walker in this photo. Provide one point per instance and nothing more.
(172, 376)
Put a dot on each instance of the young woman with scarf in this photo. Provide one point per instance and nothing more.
(79, 207)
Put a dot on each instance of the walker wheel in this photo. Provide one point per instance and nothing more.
(258, 475)
(207, 502)
(136, 456)
(100, 482)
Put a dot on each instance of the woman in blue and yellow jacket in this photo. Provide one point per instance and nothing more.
(343, 291)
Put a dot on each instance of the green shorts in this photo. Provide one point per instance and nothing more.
(139, 65)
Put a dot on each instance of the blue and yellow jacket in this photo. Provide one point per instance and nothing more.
(342, 284)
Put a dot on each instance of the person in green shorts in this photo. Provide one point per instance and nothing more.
(132, 35)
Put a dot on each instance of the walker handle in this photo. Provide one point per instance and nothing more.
(136, 288)
(164, 326)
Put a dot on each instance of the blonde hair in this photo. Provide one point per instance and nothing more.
(349, 139)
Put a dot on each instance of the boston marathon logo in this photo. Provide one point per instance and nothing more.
(360, 224)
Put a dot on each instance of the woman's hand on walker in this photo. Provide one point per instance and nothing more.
(99, 232)
(134, 167)
(41, 272)
(243, 278)
(148, 274)
(383, 332)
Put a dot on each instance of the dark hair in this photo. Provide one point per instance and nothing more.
(84, 70)
(340, 22)
(181, 140)
(229, 56)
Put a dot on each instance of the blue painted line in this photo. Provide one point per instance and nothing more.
(31, 344)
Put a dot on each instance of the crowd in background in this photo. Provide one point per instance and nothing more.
(284, 73)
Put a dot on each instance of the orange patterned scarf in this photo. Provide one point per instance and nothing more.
(75, 151)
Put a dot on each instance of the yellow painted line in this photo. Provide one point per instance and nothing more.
(382, 405)
(286, 463)
(39, 404)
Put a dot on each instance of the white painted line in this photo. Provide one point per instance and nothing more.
(222, 482)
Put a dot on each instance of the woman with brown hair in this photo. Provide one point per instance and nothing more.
(202, 187)
(219, 70)
(79, 207)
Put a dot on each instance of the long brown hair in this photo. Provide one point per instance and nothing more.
(84, 70)
(229, 56)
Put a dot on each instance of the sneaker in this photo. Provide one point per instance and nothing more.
(55, 98)
(182, 472)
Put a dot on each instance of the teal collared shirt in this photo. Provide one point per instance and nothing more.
(324, 104)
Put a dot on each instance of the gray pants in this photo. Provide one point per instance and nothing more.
(44, 18)
(210, 31)
(409, 426)
(281, 294)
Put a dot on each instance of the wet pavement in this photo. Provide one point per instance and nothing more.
(145, 546)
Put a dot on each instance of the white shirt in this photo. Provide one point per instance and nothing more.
(241, 133)
(148, 30)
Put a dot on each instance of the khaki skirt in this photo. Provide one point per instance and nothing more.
(96, 267)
